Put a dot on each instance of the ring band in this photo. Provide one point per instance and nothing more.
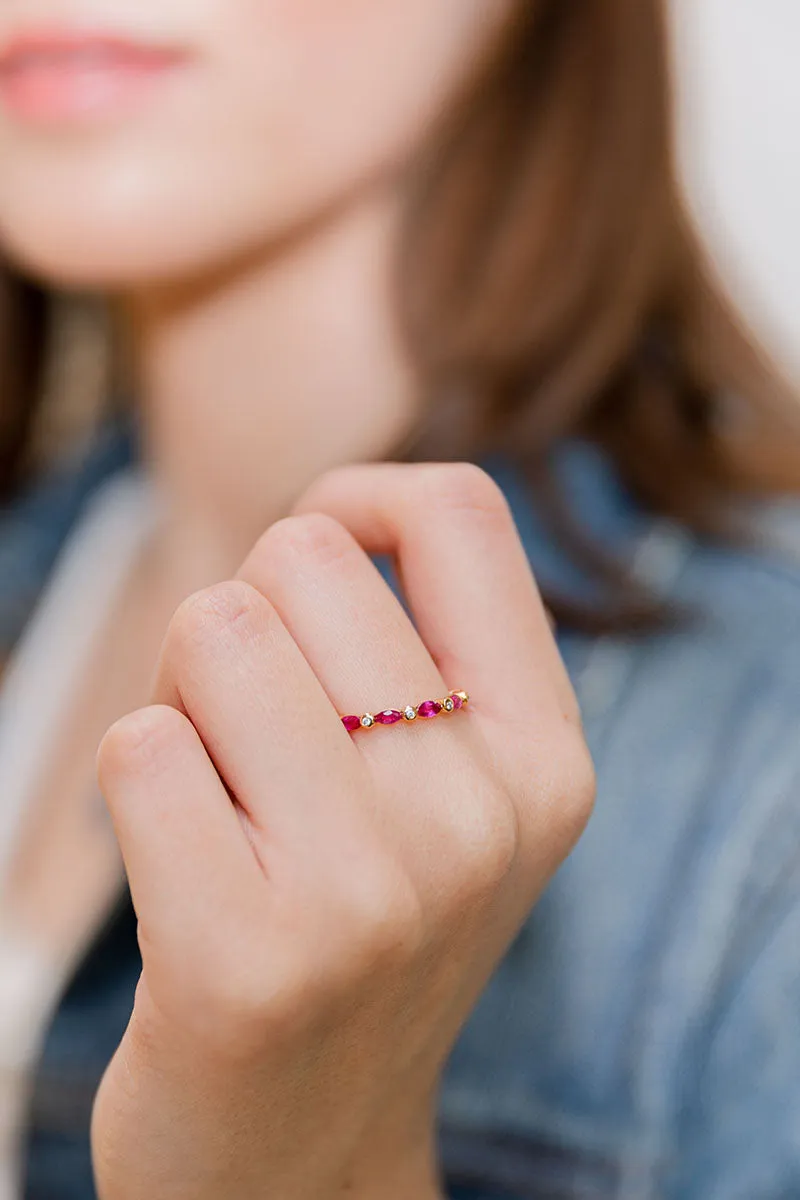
(393, 716)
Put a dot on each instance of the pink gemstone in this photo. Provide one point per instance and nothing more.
(390, 717)
(431, 708)
(457, 701)
(351, 724)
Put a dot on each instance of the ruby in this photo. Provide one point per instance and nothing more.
(390, 717)
(351, 724)
(457, 701)
(431, 708)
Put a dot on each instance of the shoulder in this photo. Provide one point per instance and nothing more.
(666, 939)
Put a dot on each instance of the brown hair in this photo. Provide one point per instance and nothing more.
(552, 284)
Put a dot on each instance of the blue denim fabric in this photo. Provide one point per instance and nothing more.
(33, 530)
(641, 1039)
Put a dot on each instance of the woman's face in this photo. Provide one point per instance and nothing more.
(151, 139)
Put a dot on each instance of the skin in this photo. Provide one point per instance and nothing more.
(262, 133)
(307, 967)
(317, 912)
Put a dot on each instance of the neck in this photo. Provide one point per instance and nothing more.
(254, 385)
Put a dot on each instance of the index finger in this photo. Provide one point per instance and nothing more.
(465, 573)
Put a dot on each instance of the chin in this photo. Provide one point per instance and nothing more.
(87, 251)
(152, 241)
(112, 231)
(77, 264)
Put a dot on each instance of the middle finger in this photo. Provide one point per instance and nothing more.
(352, 629)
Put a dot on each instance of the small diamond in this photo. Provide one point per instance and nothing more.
(367, 721)
(410, 713)
(449, 706)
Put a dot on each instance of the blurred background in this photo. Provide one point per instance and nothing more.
(739, 130)
(738, 107)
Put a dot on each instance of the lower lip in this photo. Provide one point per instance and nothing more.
(69, 89)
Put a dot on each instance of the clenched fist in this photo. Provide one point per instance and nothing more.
(319, 911)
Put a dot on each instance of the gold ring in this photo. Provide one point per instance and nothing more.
(412, 712)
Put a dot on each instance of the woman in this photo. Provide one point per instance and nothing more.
(332, 237)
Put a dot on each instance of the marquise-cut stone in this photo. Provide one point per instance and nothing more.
(431, 708)
(390, 717)
(351, 724)
(457, 701)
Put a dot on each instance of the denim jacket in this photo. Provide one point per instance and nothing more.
(641, 1038)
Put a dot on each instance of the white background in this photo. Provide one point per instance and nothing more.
(739, 128)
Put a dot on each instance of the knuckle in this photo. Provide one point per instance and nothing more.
(205, 614)
(579, 787)
(466, 487)
(485, 844)
(396, 931)
(329, 483)
(571, 790)
(386, 922)
(246, 1003)
(310, 535)
(140, 741)
(249, 1006)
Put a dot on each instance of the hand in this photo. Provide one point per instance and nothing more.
(318, 912)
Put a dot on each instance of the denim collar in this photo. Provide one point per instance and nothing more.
(34, 528)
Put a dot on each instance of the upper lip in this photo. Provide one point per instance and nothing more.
(36, 45)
